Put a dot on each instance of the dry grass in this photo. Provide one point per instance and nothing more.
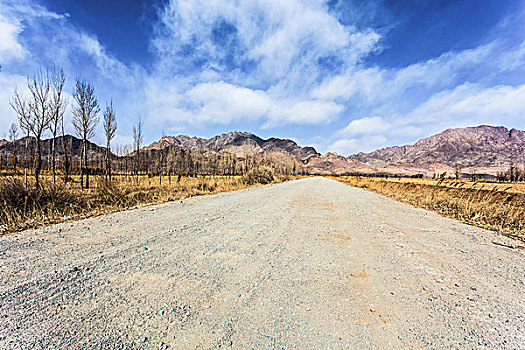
(510, 187)
(261, 175)
(24, 207)
(495, 206)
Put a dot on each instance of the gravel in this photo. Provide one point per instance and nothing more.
(311, 263)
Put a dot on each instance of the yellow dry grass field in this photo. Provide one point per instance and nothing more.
(24, 207)
(510, 187)
(495, 206)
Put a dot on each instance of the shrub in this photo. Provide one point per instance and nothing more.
(20, 202)
(109, 193)
(261, 175)
(22, 207)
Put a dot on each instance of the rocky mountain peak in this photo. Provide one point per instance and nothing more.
(237, 142)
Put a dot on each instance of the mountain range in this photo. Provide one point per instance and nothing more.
(483, 149)
(237, 143)
(485, 146)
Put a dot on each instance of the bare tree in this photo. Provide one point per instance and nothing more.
(110, 127)
(458, 171)
(512, 171)
(35, 113)
(523, 173)
(84, 120)
(22, 110)
(67, 145)
(13, 133)
(39, 87)
(58, 106)
(137, 143)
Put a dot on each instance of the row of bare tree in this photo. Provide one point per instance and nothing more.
(513, 174)
(43, 110)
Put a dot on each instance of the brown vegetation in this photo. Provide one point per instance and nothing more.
(28, 206)
(492, 206)
(262, 175)
(132, 176)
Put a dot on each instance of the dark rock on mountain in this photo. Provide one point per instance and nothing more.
(18, 146)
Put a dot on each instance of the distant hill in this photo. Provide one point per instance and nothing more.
(238, 143)
(481, 150)
(18, 146)
(479, 146)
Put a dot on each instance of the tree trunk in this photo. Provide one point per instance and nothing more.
(107, 163)
(82, 164)
(109, 167)
(25, 160)
(160, 169)
(137, 165)
(66, 159)
(86, 165)
(53, 159)
(38, 162)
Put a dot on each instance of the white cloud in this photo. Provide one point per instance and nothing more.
(365, 126)
(359, 144)
(283, 40)
(365, 83)
(224, 103)
(32, 9)
(10, 48)
(471, 104)
(307, 112)
(297, 32)
(278, 34)
(374, 85)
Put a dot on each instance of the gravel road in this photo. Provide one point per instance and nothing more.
(307, 264)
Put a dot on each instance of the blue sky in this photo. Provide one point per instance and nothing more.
(344, 76)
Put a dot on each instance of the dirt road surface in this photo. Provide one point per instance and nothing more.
(308, 264)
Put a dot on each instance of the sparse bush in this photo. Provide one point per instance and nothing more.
(261, 175)
(109, 193)
(23, 207)
(20, 203)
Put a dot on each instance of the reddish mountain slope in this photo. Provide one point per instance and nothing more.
(480, 146)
